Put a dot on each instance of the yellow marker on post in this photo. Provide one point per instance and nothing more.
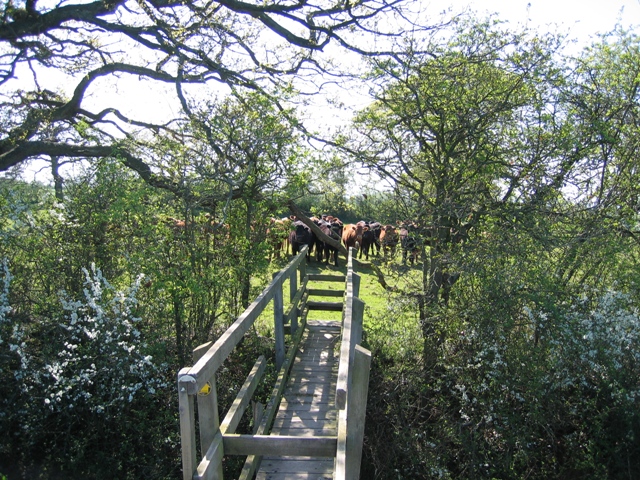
(205, 390)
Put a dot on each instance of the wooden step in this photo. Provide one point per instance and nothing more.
(326, 278)
(321, 292)
(328, 306)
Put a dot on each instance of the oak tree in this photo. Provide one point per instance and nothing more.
(59, 64)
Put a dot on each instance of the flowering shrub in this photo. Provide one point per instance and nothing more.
(598, 347)
(5, 308)
(101, 363)
(559, 397)
(81, 373)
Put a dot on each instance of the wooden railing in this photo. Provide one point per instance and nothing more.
(353, 382)
(219, 439)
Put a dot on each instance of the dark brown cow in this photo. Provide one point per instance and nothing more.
(301, 236)
(368, 241)
(334, 231)
(318, 243)
(375, 228)
(409, 242)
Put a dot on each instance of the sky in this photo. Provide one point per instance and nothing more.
(580, 18)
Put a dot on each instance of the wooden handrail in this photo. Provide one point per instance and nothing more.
(353, 382)
(351, 332)
(207, 366)
(199, 380)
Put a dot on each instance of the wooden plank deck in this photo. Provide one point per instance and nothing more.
(308, 406)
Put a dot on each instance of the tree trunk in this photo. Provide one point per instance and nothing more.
(57, 178)
(433, 276)
(179, 329)
(315, 229)
(246, 275)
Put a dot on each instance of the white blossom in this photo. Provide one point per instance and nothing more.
(101, 354)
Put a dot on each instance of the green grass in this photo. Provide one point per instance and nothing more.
(391, 324)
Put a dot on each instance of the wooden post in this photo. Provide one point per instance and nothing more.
(258, 412)
(356, 284)
(351, 419)
(294, 320)
(209, 469)
(356, 322)
(293, 290)
(208, 419)
(187, 428)
(293, 284)
(357, 410)
(278, 320)
(303, 267)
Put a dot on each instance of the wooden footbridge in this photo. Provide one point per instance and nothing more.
(313, 423)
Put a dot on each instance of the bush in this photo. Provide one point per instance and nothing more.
(545, 394)
(83, 390)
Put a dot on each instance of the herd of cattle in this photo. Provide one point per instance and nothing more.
(365, 237)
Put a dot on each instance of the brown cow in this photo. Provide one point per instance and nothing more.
(352, 235)
(388, 239)
(176, 223)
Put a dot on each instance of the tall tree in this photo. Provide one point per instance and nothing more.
(248, 145)
(452, 130)
(603, 109)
